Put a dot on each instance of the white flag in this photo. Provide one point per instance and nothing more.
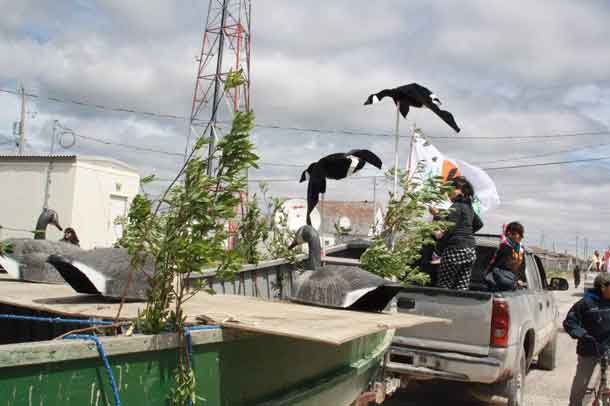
(436, 164)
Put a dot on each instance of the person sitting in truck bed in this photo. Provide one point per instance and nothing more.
(506, 270)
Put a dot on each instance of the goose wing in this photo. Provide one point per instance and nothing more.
(367, 156)
(446, 116)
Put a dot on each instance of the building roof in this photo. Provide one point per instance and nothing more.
(67, 158)
(360, 214)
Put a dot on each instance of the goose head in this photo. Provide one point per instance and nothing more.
(308, 235)
(47, 217)
(307, 173)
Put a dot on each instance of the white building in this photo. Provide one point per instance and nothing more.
(88, 193)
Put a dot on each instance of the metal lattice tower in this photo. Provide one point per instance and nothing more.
(225, 48)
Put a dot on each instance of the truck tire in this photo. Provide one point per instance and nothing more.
(547, 359)
(516, 385)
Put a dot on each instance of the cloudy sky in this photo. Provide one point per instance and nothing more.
(505, 69)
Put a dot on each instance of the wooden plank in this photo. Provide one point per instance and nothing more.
(239, 312)
(43, 352)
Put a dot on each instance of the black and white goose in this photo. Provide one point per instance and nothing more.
(335, 166)
(26, 259)
(104, 271)
(338, 286)
(414, 95)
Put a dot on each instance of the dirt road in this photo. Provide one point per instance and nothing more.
(543, 388)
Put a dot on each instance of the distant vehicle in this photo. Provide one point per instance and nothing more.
(493, 337)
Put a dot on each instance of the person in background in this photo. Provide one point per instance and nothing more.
(588, 321)
(576, 272)
(457, 242)
(596, 262)
(508, 263)
(70, 237)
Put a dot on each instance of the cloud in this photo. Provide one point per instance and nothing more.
(502, 68)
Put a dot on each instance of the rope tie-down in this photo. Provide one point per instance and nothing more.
(189, 344)
(98, 343)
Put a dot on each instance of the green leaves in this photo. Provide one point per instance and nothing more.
(396, 251)
(187, 232)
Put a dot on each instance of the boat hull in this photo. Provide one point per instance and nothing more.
(231, 369)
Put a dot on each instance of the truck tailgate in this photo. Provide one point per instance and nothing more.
(470, 314)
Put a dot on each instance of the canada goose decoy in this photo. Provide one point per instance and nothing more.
(338, 286)
(103, 271)
(47, 217)
(414, 95)
(27, 259)
(335, 166)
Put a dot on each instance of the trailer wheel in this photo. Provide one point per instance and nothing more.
(547, 359)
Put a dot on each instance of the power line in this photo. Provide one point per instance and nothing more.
(543, 154)
(548, 163)
(321, 131)
(127, 146)
(98, 106)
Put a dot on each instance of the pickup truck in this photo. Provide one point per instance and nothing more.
(493, 337)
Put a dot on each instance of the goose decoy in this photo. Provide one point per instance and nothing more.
(335, 166)
(103, 271)
(338, 286)
(414, 95)
(47, 217)
(27, 259)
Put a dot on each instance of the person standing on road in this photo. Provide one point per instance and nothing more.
(576, 272)
(457, 243)
(596, 262)
(588, 321)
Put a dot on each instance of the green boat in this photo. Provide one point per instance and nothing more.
(268, 353)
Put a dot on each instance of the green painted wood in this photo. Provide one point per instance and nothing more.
(247, 371)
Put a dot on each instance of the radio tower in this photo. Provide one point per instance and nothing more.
(225, 48)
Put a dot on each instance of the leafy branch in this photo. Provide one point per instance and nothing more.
(397, 250)
(186, 232)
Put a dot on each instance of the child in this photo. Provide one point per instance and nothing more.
(506, 269)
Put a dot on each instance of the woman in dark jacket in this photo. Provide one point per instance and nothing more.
(457, 243)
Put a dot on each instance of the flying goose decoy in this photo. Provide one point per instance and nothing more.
(414, 95)
(105, 272)
(27, 258)
(338, 286)
(335, 166)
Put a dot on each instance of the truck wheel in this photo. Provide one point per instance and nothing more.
(547, 359)
(516, 384)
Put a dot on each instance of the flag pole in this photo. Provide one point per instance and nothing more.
(413, 132)
(396, 139)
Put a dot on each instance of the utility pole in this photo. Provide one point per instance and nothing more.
(22, 121)
(576, 251)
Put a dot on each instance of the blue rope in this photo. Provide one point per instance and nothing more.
(100, 350)
(189, 344)
(54, 319)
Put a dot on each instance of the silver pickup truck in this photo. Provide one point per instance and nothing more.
(493, 337)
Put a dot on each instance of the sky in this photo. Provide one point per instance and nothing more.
(504, 69)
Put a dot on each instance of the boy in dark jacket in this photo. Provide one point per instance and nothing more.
(589, 322)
